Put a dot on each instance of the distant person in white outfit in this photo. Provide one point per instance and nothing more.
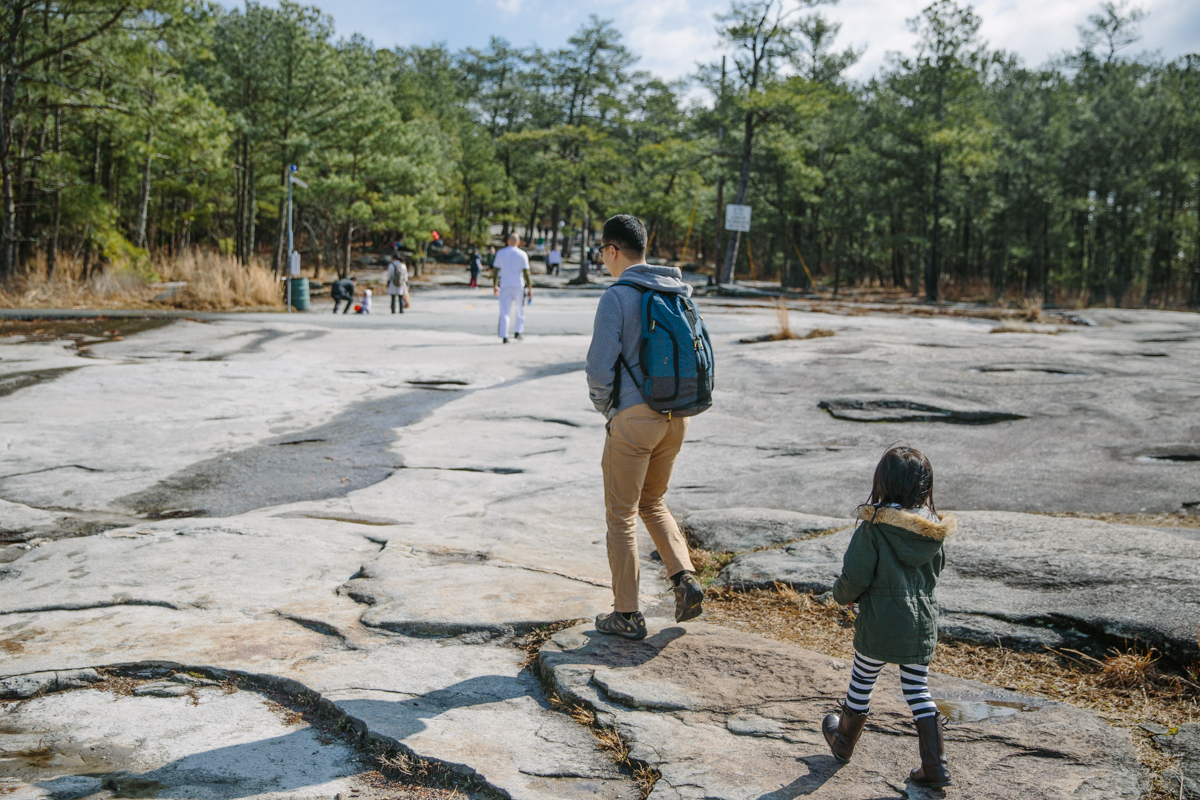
(553, 261)
(512, 284)
(365, 306)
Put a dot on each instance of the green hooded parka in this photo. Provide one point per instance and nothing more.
(891, 569)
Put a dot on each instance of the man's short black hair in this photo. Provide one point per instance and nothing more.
(626, 232)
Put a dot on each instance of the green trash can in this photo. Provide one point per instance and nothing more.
(298, 289)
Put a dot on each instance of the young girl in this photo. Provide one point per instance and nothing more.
(891, 569)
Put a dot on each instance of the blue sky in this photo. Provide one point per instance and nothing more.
(670, 36)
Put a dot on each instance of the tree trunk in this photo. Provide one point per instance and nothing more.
(277, 259)
(743, 184)
(87, 245)
(529, 231)
(554, 213)
(347, 240)
(56, 219)
(720, 225)
(144, 198)
(934, 272)
(251, 206)
(239, 214)
(8, 102)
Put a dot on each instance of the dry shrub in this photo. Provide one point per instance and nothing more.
(817, 333)
(215, 282)
(784, 323)
(708, 565)
(645, 776)
(403, 763)
(1031, 310)
(1128, 669)
(68, 288)
(609, 740)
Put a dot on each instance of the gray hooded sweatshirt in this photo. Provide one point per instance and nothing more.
(618, 331)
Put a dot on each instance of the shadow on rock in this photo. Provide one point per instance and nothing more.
(401, 719)
(820, 769)
(287, 763)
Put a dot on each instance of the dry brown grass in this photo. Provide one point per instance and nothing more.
(1145, 520)
(532, 642)
(1031, 310)
(783, 322)
(1018, 326)
(1126, 687)
(610, 741)
(215, 283)
(783, 328)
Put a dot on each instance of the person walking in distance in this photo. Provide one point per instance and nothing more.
(397, 283)
(476, 264)
(343, 291)
(646, 314)
(891, 569)
(512, 284)
(553, 261)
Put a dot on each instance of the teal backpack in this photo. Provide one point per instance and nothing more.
(676, 355)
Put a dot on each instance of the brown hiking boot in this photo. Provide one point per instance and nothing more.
(933, 771)
(615, 624)
(842, 731)
(688, 597)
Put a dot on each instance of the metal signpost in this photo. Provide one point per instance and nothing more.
(737, 219)
(293, 258)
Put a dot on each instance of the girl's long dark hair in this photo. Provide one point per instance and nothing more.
(904, 477)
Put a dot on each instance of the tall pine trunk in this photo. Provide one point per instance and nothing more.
(144, 197)
(743, 185)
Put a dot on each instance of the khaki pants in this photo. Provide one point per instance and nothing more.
(639, 454)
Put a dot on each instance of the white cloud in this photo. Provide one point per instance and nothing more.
(671, 36)
(511, 7)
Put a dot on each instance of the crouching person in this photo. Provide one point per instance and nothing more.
(891, 569)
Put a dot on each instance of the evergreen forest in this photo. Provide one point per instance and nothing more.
(135, 130)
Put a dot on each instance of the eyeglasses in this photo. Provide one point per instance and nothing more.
(613, 246)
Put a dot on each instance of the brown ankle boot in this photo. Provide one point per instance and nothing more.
(933, 771)
(842, 732)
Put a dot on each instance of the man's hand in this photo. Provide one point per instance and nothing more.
(495, 290)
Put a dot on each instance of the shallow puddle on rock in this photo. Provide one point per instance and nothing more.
(979, 710)
(124, 785)
(33, 756)
(93, 328)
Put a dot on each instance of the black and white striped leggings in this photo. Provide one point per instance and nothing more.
(914, 681)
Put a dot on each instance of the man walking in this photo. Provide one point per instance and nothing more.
(512, 284)
(343, 290)
(642, 444)
(553, 261)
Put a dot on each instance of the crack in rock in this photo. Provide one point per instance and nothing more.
(322, 628)
(88, 606)
(861, 410)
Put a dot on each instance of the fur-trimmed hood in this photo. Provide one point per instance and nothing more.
(915, 538)
(946, 525)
